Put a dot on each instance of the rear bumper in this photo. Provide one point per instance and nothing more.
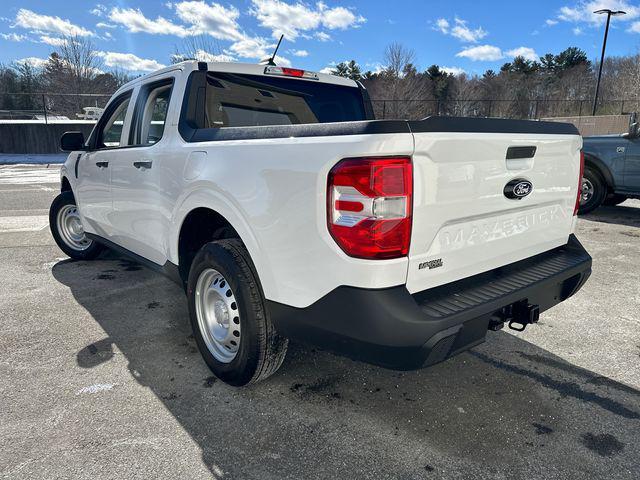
(392, 328)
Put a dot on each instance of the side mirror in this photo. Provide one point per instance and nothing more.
(634, 130)
(72, 141)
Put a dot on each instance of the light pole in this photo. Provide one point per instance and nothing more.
(610, 13)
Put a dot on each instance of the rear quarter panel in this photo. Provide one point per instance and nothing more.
(273, 192)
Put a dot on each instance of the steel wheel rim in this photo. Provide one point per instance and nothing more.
(218, 315)
(587, 191)
(70, 228)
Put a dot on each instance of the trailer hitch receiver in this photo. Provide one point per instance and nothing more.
(522, 314)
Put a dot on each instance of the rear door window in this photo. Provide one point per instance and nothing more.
(151, 112)
(233, 100)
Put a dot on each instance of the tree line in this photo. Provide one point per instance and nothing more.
(556, 84)
(73, 70)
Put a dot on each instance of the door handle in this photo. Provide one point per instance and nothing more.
(102, 164)
(142, 165)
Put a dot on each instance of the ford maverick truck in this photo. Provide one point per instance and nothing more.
(286, 211)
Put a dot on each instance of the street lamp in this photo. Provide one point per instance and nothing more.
(610, 13)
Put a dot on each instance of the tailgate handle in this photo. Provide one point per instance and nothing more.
(515, 153)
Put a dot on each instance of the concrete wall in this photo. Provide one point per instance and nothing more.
(32, 137)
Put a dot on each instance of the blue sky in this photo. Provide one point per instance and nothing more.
(470, 36)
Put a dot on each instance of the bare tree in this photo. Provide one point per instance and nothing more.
(401, 90)
(81, 61)
(200, 47)
(396, 59)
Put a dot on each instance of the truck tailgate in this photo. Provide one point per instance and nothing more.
(463, 222)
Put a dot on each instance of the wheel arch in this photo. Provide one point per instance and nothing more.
(599, 166)
(215, 219)
(65, 185)
(200, 226)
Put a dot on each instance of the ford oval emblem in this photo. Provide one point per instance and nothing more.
(518, 188)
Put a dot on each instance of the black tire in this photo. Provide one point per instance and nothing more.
(599, 191)
(613, 200)
(261, 350)
(88, 252)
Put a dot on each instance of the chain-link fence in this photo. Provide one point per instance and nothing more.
(48, 107)
(517, 109)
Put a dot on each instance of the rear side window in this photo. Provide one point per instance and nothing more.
(232, 100)
(150, 115)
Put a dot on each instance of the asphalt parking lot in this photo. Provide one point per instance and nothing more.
(100, 378)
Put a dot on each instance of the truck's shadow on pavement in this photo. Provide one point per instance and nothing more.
(505, 409)
(620, 215)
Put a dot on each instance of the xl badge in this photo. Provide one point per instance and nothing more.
(518, 188)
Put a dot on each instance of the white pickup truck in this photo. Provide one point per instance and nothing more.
(288, 212)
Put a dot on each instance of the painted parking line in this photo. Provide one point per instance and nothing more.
(26, 223)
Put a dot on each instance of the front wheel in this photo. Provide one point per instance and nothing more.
(593, 191)
(227, 310)
(67, 230)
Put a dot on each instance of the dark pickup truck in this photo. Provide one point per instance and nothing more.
(611, 169)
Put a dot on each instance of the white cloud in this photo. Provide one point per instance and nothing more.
(299, 53)
(465, 34)
(339, 17)
(99, 10)
(204, 56)
(481, 52)
(442, 25)
(199, 18)
(105, 25)
(327, 70)
(460, 30)
(551, 22)
(583, 11)
(54, 41)
(322, 36)
(282, 61)
(13, 37)
(129, 61)
(292, 19)
(135, 21)
(526, 52)
(577, 31)
(376, 67)
(249, 47)
(47, 24)
(214, 19)
(35, 62)
(453, 70)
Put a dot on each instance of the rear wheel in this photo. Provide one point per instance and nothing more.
(614, 199)
(593, 192)
(67, 230)
(228, 316)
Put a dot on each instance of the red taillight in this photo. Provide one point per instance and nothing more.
(577, 207)
(369, 206)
